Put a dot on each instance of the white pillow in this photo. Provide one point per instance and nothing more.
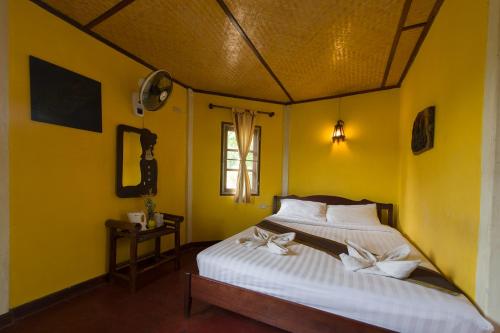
(300, 209)
(352, 214)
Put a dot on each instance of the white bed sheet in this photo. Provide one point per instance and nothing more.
(316, 279)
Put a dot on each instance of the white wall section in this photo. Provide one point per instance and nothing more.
(286, 145)
(488, 264)
(189, 178)
(4, 158)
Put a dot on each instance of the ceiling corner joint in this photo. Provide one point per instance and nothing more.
(402, 20)
(420, 41)
(107, 14)
(245, 37)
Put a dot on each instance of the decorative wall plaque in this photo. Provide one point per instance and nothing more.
(422, 138)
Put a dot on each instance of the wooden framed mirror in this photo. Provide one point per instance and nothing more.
(136, 167)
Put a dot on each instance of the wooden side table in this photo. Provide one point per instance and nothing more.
(132, 231)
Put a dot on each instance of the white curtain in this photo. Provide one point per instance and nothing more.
(244, 125)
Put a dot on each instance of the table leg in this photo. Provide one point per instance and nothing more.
(112, 254)
(157, 248)
(133, 264)
(177, 246)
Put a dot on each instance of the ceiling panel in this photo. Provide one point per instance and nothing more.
(419, 11)
(324, 47)
(316, 48)
(404, 49)
(195, 42)
(82, 11)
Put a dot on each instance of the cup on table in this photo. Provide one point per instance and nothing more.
(159, 219)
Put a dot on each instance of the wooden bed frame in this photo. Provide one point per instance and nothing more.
(290, 316)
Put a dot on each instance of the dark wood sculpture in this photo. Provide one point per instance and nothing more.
(148, 164)
(422, 138)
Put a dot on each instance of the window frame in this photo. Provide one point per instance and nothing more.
(223, 190)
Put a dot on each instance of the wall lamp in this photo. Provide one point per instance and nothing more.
(338, 131)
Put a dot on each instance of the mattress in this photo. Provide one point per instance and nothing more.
(316, 279)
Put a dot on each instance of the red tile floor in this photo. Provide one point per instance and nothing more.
(156, 307)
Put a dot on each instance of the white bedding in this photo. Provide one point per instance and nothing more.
(316, 279)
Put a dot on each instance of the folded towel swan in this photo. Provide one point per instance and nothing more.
(391, 263)
(274, 243)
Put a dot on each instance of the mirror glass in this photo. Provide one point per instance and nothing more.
(132, 152)
(136, 165)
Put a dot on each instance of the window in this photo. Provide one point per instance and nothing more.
(230, 161)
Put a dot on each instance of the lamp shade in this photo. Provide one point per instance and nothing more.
(338, 132)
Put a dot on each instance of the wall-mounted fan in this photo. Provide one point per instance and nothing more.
(154, 92)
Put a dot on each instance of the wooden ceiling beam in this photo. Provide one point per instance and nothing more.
(343, 95)
(414, 26)
(402, 20)
(107, 14)
(243, 34)
(215, 93)
(430, 20)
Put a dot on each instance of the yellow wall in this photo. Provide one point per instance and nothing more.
(440, 189)
(62, 180)
(216, 217)
(364, 166)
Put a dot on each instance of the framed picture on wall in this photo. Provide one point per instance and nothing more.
(63, 97)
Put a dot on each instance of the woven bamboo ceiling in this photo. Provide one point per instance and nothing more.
(283, 51)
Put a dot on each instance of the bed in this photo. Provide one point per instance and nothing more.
(310, 291)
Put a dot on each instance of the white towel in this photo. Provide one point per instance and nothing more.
(391, 263)
(273, 243)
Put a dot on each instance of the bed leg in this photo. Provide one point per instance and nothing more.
(187, 295)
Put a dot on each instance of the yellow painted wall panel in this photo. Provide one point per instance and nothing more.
(440, 189)
(365, 165)
(62, 180)
(214, 216)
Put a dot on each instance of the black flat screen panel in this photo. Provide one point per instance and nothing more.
(62, 97)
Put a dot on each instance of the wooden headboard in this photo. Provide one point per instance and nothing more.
(333, 200)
